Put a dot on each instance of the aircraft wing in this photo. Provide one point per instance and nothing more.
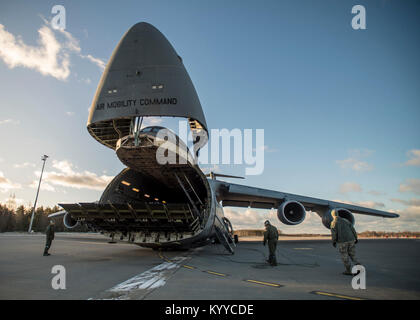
(235, 195)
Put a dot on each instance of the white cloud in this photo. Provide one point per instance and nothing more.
(350, 187)
(371, 204)
(411, 202)
(44, 185)
(412, 211)
(67, 177)
(9, 121)
(250, 218)
(6, 184)
(72, 43)
(411, 185)
(410, 215)
(99, 62)
(354, 162)
(414, 156)
(366, 204)
(51, 57)
(24, 165)
(64, 166)
(70, 113)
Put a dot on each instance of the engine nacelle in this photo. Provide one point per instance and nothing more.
(69, 222)
(291, 212)
(344, 213)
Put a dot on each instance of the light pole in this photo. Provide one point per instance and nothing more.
(44, 158)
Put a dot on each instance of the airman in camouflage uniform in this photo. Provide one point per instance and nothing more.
(344, 234)
(50, 237)
(271, 236)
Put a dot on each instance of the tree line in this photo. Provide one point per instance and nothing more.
(19, 219)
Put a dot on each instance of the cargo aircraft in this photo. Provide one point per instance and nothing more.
(172, 205)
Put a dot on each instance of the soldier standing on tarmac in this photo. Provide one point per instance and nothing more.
(50, 237)
(344, 234)
(271, 235)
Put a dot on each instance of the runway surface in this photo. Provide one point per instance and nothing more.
(308, 269)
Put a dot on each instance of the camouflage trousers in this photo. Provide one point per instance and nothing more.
(47, 245)
(272, 246)
(348, 250)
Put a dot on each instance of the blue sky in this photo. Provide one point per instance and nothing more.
(340, 107)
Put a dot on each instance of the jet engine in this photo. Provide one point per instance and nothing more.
(344, 213)
(291, 212)
(69, 222)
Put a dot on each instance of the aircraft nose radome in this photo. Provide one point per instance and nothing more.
(143, 26)
(143, 46)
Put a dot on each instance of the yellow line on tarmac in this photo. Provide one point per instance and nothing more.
(265, 283)
(164, 258)
(188, 267)
(336, 295)
(217, 273)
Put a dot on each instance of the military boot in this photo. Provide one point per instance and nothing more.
(274, 262)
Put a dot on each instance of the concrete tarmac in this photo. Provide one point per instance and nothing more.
(308, 269)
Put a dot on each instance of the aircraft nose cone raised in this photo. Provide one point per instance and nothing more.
(144, 77)
(144, 45)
